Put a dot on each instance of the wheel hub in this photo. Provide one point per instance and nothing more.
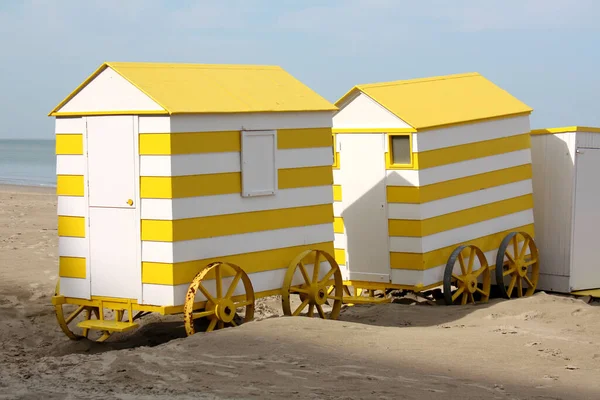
(521, 268)
(225, 310)
(470, 283)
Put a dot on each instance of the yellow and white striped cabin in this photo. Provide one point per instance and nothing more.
(423, 166)
(163, 168)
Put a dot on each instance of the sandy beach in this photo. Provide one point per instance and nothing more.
(543, 347)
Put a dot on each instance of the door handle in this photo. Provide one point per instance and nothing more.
(130, 202)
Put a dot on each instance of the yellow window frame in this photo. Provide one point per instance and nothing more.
(389, 157)
(336, 154)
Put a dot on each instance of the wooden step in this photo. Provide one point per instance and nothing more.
(107, 325)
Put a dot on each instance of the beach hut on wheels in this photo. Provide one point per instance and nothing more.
(433, 187)
(192, 189)
(566, 188)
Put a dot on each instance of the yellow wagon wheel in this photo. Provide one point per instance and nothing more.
(469, 281)
(312, 290)
(220, 308)
(517, 266)
(72, 312)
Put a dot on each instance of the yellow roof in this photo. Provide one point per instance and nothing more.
(212, 88)
(442, 100)
(565, 129)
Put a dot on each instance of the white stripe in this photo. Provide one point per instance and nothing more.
(216, 163)
(69, 125)
(70, 164)
(72, 247)
(221, 246)
(339, 241)
(338, 208)
(470, 133)
(457, 170)
(73, 206)
(462, 234)
(337, 177)
(166, 295)
(75, 287)
(203, 206)
(460, 202)
(250, 121)
(154, 124)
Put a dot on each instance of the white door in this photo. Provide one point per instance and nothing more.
(114, 233)
(585, 271)
(362, 170)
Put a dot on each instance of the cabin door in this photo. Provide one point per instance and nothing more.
(114, 230)
(362, 170)
(585, 272)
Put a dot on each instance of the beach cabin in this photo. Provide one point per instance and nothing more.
(423, 166)
(164, 168)
(566, 189)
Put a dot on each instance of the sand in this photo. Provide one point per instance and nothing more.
(542, 347)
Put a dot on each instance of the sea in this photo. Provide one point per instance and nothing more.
(28, 162)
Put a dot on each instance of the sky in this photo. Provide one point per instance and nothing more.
(544, 52)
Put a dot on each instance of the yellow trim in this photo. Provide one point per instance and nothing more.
(337, 192)
(389, 156)
(108, 113)
(565, 129)
(69, 185)
(289, 178)
(172, 187)
(340, 256)
(336, 154)
(588, 292)
(235, 224)
(435, 258)
(374, 130)
(303, 138)
(442, 223)
(338, 225)
(189, 142)
(72, 267)
(69, 144)
(475, 121)
(385, 285)
(473, 183)
(182, 273)
(71, 226)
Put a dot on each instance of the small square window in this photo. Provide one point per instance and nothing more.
(400, 150)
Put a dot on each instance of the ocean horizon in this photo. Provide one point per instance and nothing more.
(28, 162)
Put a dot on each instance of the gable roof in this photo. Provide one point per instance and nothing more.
(442, 100)
(213, 88)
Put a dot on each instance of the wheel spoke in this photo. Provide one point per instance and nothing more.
(218, 281)
(211, 326)
(233, 285)
(335, 298)
(531, 285)
(320, 311)
(298, 290)
(311, 310)
(242, 303)
(513, 281)
(74, 314)
(531, 262)
(304, 273)
(461, 261)
(472, 298)
(482, 292)
(328, 275)
(471, 260)
(520, 287)
(524, 248)
(301, 307)
(458, 278)
(233, 323)
(480, 271)
(515, 246)
(510, 258)
(465, 296)
(202, 314)
(205, 293)
(316, 266)
(509, 271)
(221, 324)
(458, 293)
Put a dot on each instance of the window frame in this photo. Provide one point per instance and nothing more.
(336, 154)
(390, 153)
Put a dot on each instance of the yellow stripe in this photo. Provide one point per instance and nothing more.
(69, 144)
(71, 267)
(71, 226)
(181, 273)
(565, 129)
(436, 191)
(412, 228)
(470, 151)
(172, 187)
(337, 193)
(338, 225)
(373, 130)
(69, 185)
(233, 224)
(303, 138)
(189, 142)
(340, 256)
(416, 261)
(304, 177)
